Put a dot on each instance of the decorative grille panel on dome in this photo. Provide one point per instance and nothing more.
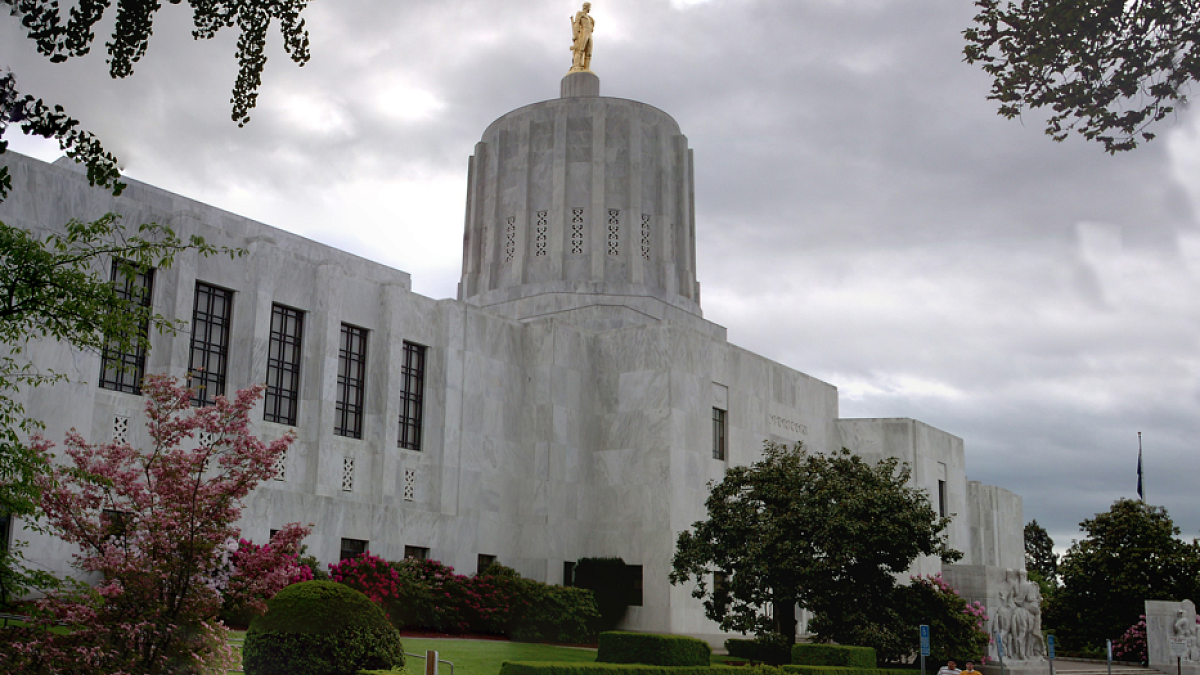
(614, 232)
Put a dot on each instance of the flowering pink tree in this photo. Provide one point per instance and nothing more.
(156, 526)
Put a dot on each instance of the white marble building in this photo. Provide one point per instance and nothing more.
(572, 402)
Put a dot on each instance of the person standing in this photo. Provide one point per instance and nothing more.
(949, 669)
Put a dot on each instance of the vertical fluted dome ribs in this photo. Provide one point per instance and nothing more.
(580, 195)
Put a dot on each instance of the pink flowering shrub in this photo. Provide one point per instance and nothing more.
(1132, 645)
(429, 594)
(373, 576)
(155, 526)
(961, 626)
(254, 573)
(432, 596)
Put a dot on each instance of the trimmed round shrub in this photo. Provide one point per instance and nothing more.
(320, 628)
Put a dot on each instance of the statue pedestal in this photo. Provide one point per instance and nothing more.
(579, 84)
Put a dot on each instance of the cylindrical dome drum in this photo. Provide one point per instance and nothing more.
(581, 195)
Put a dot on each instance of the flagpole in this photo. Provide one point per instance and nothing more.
(1141, 488)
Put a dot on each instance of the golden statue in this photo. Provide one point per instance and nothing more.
(581, 33)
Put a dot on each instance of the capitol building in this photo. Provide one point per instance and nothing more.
(571, 402)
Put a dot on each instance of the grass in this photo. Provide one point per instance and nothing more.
(483, 657)
(473, 657)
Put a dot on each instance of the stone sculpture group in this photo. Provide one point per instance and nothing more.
(1184, 630)
(1017, 618)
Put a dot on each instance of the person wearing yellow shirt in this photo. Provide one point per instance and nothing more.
(970, 669)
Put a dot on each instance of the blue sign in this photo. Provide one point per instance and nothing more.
(1050, 642)
(999, 646)
(924, 640)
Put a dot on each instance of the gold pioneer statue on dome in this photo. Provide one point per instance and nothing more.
(581, 33)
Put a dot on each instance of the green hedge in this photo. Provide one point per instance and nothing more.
(765, 651)
(805, 654)
(652, 650)
(840, 670)
(585, 668)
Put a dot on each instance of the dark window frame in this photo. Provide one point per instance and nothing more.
(569, 572)
(352, 548)
(208, 353)
(281, 403)
(116, 526)
(416, 553)
(721, 596)
(636, 590)
(720, 434)
(484, 561)
(351, 382)
(412, 396)
(128, 368)
(942, 498)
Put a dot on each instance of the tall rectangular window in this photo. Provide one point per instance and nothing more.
(942, 498)
(412, 396)
(721, 590)
(121, 370)
(351, 382)
(209, 362)
(568, 573)
(281, 404)
(635, 584)
(718, 437)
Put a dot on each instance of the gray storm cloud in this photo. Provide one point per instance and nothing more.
(863, 214)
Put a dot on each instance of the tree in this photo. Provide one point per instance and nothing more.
(1131, 554)
(156, 526)
(67, 287)
(60, 39)
(1106, 69)
(1039, 552)
(825, 532)
(960, 627)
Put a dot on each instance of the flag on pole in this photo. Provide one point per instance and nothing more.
(1141, 496)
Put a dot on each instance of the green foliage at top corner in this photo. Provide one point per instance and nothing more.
(1131, 553)
(651, 649)
(1105, 70)
(318, 607)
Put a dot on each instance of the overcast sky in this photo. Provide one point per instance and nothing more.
(863, 215)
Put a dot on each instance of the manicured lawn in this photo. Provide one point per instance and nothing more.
(475, 657)
(483, 657)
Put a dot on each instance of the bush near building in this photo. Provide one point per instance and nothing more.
(427, 594)
(651, 649)
(320, 628)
